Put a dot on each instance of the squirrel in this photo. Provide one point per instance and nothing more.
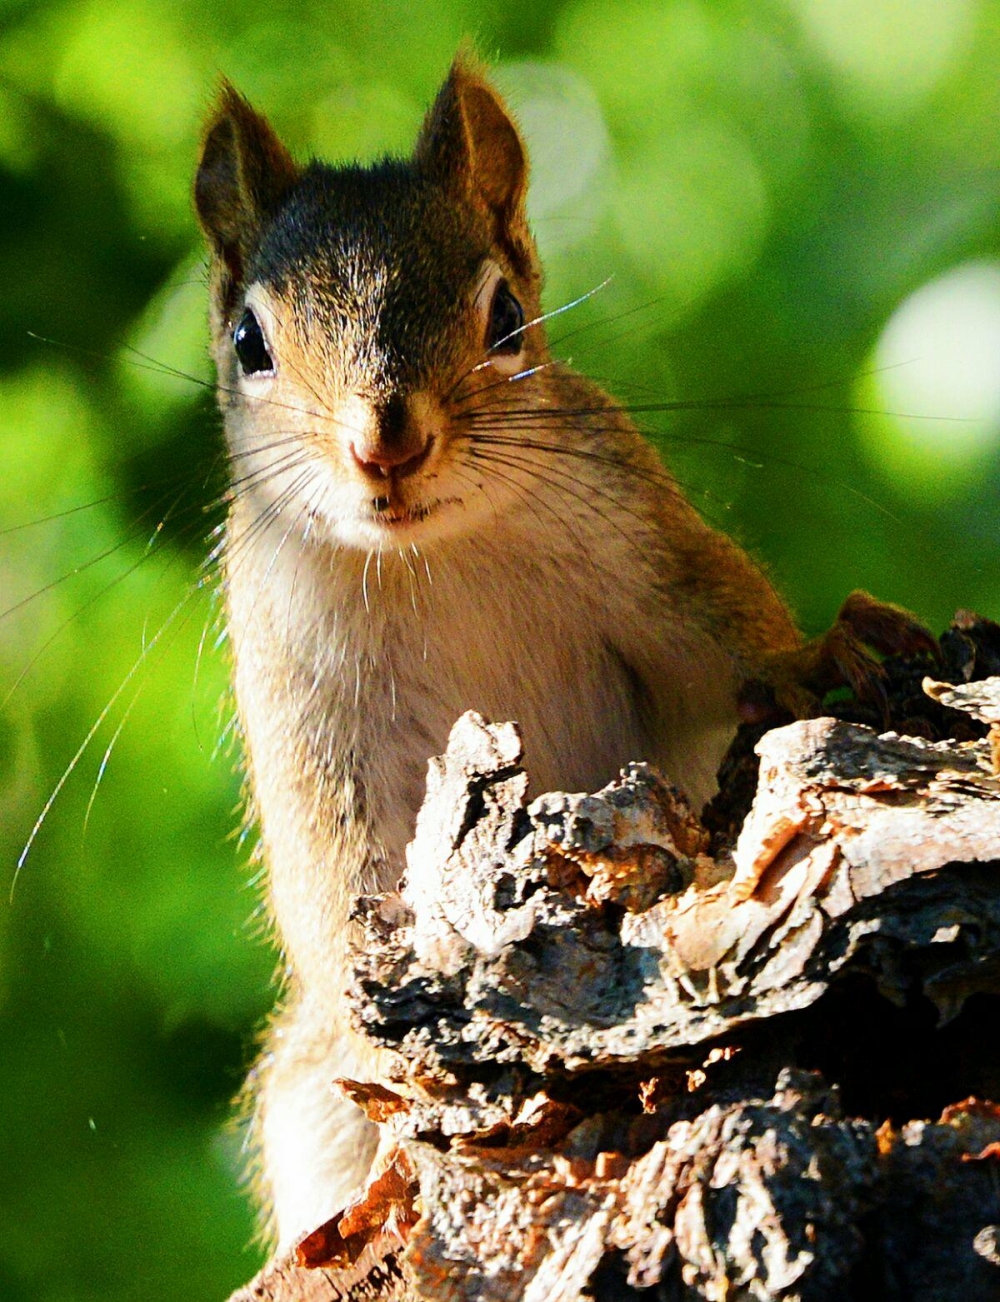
(428, 514)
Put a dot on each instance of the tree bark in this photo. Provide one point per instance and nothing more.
(626, 1060)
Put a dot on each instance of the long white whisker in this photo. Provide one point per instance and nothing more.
(364, 582)
(556, 311)
(91, 733)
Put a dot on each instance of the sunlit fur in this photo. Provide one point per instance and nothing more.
(528, 558)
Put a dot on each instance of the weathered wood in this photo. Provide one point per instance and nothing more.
(286, 1281)
(592, 930)
(601, 1035)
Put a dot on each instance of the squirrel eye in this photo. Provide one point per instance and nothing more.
(248, 340)
(506, 319)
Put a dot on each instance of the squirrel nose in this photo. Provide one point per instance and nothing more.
(380, 460)
(396, 445)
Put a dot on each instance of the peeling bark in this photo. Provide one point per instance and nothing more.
(626, 1067)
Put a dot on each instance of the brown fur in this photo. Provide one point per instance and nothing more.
(244, 173)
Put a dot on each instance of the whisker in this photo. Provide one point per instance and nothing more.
(303, 546)
(719, 444)
(259, 476)
(147, 363)
(588, 326)
(234, 550)
(556, 311)
(161, 543)
(566, 484)
(752, 402)
(528, 325)
(499, 384)
(136, 532)
(264, 449)
(295, 488)
(105, 759)
(91, 733)
(364, 581)
(212, 615)
(658, 478)
(427, 569)
(147, 649)
(58, 515)
(528, 497)
(561, 482)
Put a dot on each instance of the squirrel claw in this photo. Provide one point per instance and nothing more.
(890, 629)
(795, 682)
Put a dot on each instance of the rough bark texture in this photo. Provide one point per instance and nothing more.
(621, 1066)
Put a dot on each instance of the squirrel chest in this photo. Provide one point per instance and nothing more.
(352, 668)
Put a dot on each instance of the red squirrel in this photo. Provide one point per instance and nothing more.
(428, 514)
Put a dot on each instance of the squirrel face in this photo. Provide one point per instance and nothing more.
(365, 319)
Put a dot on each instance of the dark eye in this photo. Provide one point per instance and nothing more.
(506, 319)
(248, 340)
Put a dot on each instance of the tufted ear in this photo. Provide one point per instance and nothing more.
(470, 143)
(244, 173)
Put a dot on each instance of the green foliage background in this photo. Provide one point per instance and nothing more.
(765, 181)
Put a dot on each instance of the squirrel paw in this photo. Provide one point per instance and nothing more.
(794, 683)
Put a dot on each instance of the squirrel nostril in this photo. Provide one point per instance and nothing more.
(368, 461)
(380, 461)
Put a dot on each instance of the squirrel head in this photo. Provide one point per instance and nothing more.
(360, 315)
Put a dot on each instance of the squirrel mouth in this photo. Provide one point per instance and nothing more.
(390, 513)
(393, 515)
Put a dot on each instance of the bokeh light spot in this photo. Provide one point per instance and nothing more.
(567, 140)
(939, 357)
(705, 217)
(887, 55)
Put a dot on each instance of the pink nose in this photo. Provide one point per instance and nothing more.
(380, 460)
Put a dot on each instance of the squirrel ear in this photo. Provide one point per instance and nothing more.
(470, 142)
(244, 173)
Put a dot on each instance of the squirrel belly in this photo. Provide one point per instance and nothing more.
(428, 514)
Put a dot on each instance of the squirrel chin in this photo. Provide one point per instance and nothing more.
(400, 526)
